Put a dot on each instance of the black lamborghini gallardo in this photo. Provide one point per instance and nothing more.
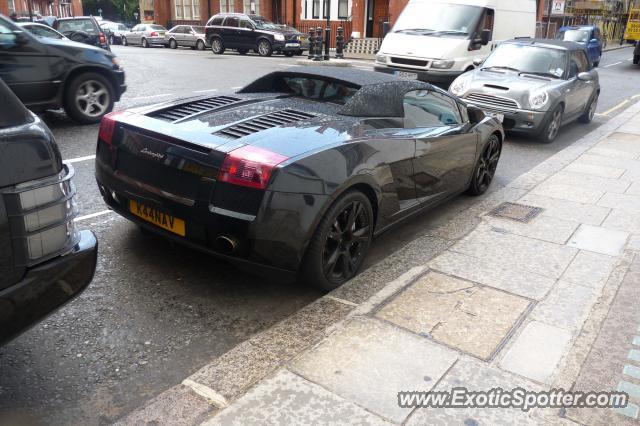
(297, 171)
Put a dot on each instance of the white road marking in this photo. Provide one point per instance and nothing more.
(214, 397)
(148, 97)
(344, 302)
(236, 87)
(78, 159)
(92, 215)
(205, 90)
(630, 59)
(610, 65)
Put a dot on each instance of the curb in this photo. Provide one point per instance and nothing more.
(624, 46)
(218, 384)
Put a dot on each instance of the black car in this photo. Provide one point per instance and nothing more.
(252, 32)
(297, 171)
(44, 260)
(83, 29)
(47, 73)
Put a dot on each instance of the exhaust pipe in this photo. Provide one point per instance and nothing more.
(226, 244)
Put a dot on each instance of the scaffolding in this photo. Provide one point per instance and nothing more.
(609, 15)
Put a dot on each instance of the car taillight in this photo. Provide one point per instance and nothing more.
(154, 34)
(249, 166)
(107, 126)
(102, 38)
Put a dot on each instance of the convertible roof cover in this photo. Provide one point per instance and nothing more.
(545, 42)
(379, 94)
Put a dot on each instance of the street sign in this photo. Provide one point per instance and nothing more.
(557, 7)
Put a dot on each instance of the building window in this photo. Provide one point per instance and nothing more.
(343, 9)
(315, 13)
(305, 9)
(196, 9)
(251, 6)
(12, 6)
(187, 9)
(226, 6)
(178, 9)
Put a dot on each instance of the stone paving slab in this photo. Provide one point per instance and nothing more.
(494, 273)
(621, 201)
(567, 306)
(621, 141)
(624, 220)
(568, 192)
(590, 269)
(588, 181)
(537, 256)
(547, 228)
(606, 152)
(476, 376)
(368, 361)
(617, 163)
(288, 399)
(634, 189)
(567, 210)
(537, 351)
(599, 240)
(600, 171)
(462, 315)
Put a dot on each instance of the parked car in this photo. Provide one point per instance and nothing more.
(296, 172)
(41, 30)
(186, 35)
(47, 73)
(536, 85)
(45, 261)
(587, 35)
(114, 31)
(437, 40)
(251, 32)
(83, 29)
(145, 35)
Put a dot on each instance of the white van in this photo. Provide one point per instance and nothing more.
(437, 40)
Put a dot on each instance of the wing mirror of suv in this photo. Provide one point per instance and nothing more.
(477, 62)
(483, 40)
(476, 115)
(585, 76)
(21, 37)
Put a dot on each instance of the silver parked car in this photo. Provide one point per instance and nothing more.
(533, 85)
(41, 30)
(145, 35)
(114, 31)
(186, 35)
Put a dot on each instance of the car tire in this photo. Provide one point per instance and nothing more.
(264, 47)
(88, 98)
(112, 40)
(299, 52)
(596, 63)
(145, 43)
(552, 124)
(173, 43)
(636, 59)
(289, 54)
(337, 249)
(124, 41)
(243, 51)
(200, 45)
(486, 166)
(217, 46)
(590, 110)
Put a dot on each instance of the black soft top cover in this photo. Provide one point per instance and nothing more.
(378, 95)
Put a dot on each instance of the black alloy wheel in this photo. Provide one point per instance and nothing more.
(588, 115)
(340, 243)
(217, 46)
(264, 48)
(552, 127)
(173, 44)
(486, 166)
(200, 45)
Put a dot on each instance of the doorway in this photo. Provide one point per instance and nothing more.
(377, 12)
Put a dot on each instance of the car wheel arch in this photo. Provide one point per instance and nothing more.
(74, 72)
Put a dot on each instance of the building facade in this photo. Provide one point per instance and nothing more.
(60, 8)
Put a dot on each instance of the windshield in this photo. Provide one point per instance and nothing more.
(528, 59)
(317, 89)
(157, 28)
(263, 23)
(441, 18)
(581, 36)
(68, 26)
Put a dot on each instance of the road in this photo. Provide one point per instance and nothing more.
(155, 312)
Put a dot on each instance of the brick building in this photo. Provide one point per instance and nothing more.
(58, 8)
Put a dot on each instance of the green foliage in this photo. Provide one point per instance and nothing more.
(114, 10)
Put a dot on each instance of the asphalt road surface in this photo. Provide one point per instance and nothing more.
(155, 312)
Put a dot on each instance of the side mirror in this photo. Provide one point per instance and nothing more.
(585, 76)
(485, 37)
(21, 37)
(477, 62)
(476, 115)
(593, 40)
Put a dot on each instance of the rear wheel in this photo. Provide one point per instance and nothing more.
(636, 59)
(112, 39)
(124, 41)
(200, 45)
(340, 243)
(596, 63)
(145, 43)
(264, 48)
(173, 44)
(485, 167)
(552, 125)
(590, 112)
(217, 46)
(88, 98)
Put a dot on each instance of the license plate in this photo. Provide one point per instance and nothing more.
(292, 45)
(499, 117)
(406, 75)
(303, 39)
(158, 218)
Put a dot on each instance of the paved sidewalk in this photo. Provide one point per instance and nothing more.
(536, 286)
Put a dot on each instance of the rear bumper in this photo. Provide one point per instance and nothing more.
(431, 76)
(156, 41)
(47, 287)
(120, 86)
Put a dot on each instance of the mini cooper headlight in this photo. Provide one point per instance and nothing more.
(441, 64)
(538, 99)
(279, 37)
(459, 85)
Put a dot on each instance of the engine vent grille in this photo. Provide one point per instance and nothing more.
(263, 122)
(496, 101)
(178, 112)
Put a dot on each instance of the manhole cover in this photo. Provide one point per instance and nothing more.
(517, 212)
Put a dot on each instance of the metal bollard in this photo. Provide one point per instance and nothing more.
(327, 42)
(318, 53)
(340, 43)
(312, 42)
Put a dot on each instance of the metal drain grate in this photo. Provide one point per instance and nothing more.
(517, 212)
